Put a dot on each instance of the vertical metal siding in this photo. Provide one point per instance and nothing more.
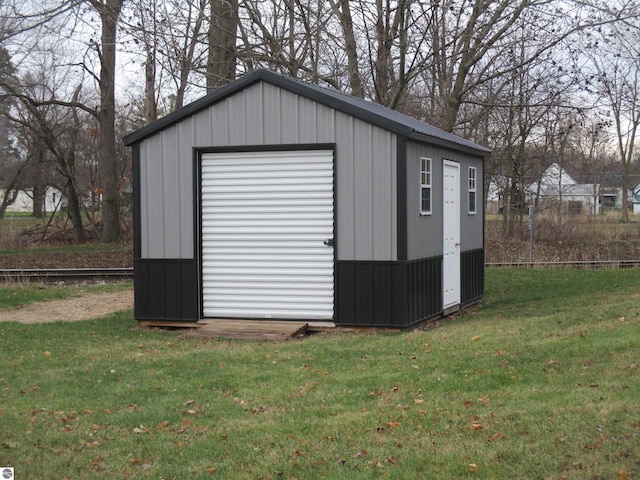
(166, 193)
(265, 217)
(472, 270)
(471, 225)
(266, 115)
(424, 232)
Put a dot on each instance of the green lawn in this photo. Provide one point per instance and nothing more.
(541, 382)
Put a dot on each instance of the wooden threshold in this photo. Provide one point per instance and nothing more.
(249, 329)
(169, 324)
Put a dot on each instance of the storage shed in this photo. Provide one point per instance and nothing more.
(272, 198)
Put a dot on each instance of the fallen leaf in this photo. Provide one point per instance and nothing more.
(47, 353)
(418, 401)
(476, 426)
(501, 353)
(473, 467)
(190, 412)
(477, 337)
(189, 402)
(622, 474)
(393, 424)
(416, 367)
(392, 460)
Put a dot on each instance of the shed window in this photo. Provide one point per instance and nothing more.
(425, 186)
(472, 190)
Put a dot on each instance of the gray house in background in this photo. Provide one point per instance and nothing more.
(271, 198)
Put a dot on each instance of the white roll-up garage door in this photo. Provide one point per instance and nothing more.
(267, 235)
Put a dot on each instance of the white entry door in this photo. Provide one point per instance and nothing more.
(451, 235)
(267, 235)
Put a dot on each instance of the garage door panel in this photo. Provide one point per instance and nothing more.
(265, 217)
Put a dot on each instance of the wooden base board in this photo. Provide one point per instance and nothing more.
(249, 329)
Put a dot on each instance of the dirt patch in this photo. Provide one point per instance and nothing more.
(83, 307)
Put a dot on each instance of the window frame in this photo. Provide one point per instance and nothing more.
(472, 190)
(426, 185)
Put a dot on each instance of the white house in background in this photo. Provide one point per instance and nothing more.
(635, 198)
(23, 202)
(556, 185)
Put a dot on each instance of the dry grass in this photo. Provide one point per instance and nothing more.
(540, 382)
(574, 238)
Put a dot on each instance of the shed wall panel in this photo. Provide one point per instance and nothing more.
(424, 232)
(263, 114)
(362, 191)
(171, 181)
(471, 225)
(252, 117)
(166, 185)
(152, 219)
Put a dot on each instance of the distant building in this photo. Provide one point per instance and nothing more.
(23, 200)
(556, 185)
(635, 198)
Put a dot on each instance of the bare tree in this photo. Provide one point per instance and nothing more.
(617, 66)
(109, 12)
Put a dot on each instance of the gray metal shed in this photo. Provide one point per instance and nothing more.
(272, 198)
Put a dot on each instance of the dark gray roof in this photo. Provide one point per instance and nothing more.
(383, 117)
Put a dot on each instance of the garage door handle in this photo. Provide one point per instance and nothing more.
(328, 242)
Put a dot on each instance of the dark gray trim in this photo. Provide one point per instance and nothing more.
(375, 114)
(166, 290)
(137, 206)
(197, 216)
(287, 147)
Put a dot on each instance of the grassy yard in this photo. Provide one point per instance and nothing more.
(541, 382)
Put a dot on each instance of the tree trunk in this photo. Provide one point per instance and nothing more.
(38, 201)
(186, 63)
(223, 28)
(74, 212)
(346, 20)
(109, 11)
(150, 104)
